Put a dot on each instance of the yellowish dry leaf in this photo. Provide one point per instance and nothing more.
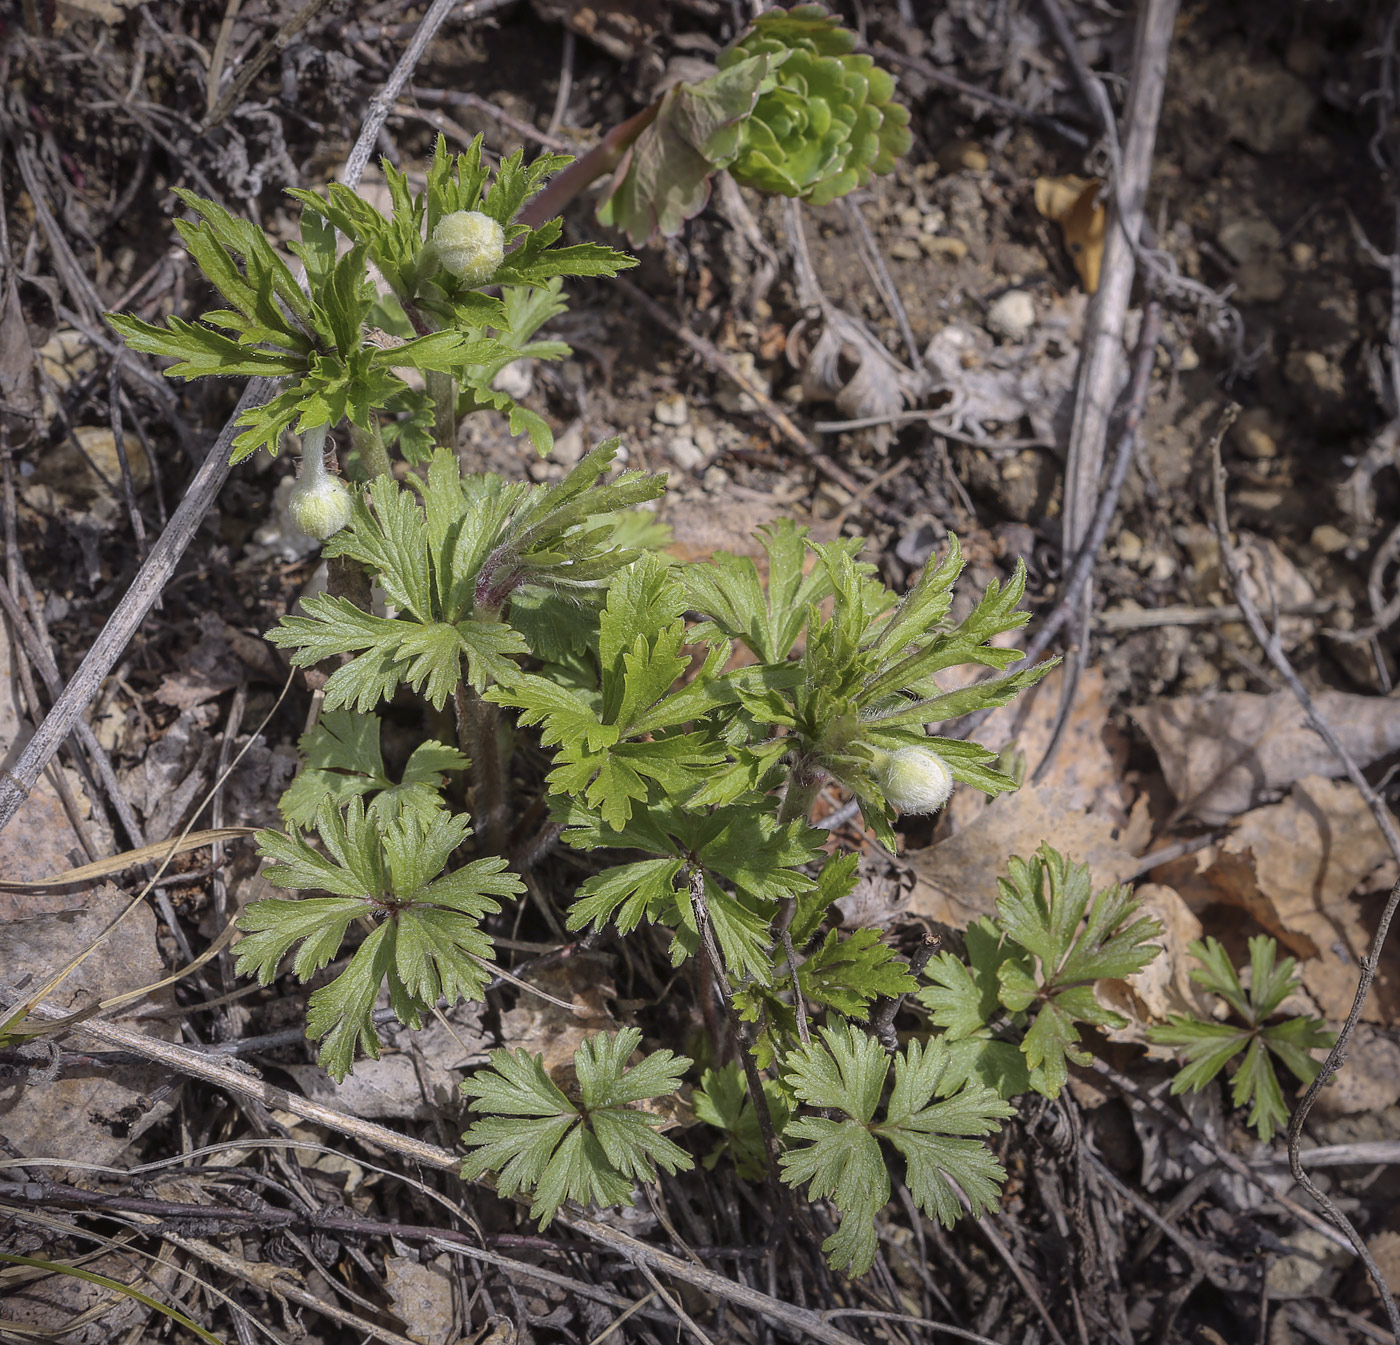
(1075, 204)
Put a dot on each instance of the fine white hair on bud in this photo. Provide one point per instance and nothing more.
(914, 779)
(320, 504)
(469, 245)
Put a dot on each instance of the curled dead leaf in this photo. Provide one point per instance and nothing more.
(955, 880)
(1077, 206)
(1300, 868)
(1223, 755)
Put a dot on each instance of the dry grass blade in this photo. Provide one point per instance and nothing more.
(130, 859)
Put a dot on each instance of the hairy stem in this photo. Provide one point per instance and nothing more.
(801, 794)
(602, 158)
(374, 457)
(478, 735)
(442, 388)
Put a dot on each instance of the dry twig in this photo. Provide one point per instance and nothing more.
(1269, 642)
(155, 572)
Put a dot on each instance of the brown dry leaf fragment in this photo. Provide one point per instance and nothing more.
(620, 27)
(544, 1029)
(1164, 986)
(1271, 581)
(1223, 755)
(851, 368)
(415, 1078)
(78, 1312)
(422, 1297)
(1089, 764)
(956, 879)
(1075, 204)
(699, 529)
(1370, 1082)
(209, 669)
(1298, 867)
(95, 1115)
(992, 384)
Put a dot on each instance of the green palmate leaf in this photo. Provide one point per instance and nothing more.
(450, 562)
(748, 861)
(850, 974)
(425, 942)
(588, 1148)
(1207, 1047)
(837, 879)
(963, 999)
(862, 688)
(342, 761)
(767, 619)
(615, 748)
(200, 351)
(723, 1101)
(1068, 942)
(846, 1072)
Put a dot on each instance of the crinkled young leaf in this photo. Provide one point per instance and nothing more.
(846, 1071)
(723, 1101)
(538, 1138)
(1045, 907)
(849, 974)
(426, 941)
(342, 761)
(1207, 1047)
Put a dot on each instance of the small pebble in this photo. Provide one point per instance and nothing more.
(905, 250)
(1303, 254)
(686, 454)
(1329, 540)
(950, 249)
(1012, 316)
(1129, 547)
(1255, 434)
(671, 410)
(516, 380)
(1163, 567)
(1187, 359)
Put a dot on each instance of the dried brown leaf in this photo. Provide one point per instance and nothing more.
(1223, 755)
(1298, 868)
(956, 879)
(97, 1116)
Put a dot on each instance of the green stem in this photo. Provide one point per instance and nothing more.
(801, 795)
(442, 388)
(374, 457)
(602, 158)
(478, 735)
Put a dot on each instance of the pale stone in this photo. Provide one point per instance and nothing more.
(1012, 316)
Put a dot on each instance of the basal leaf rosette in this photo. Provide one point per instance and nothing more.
(824, 122)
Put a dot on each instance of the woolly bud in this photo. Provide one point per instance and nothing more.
(914, 779)
(469, 245)
(320, 504)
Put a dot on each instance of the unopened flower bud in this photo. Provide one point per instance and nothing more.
(914, 779)
(320, 504)
(469, 245)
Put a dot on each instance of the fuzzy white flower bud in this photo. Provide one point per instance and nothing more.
(914, 779)
(469, 245)
(320, 504)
